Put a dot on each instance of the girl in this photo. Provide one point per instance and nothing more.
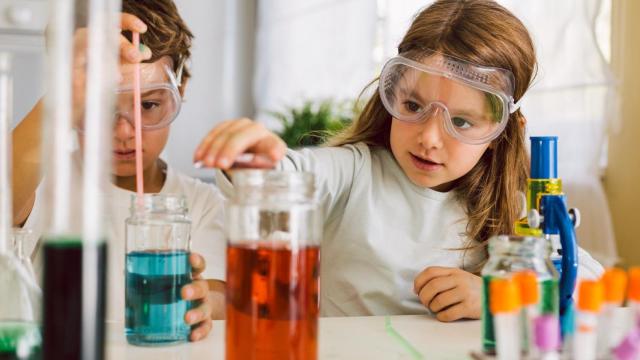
(434, 165)
(167, 42)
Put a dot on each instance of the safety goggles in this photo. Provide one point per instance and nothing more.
(160, 98)
(474, 102)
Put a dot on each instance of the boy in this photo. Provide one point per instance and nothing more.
(167, 41)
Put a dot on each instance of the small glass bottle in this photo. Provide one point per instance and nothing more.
(273, 259)
(507, 256)
(158, 245)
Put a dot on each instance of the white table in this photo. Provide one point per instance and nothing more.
(341, 338)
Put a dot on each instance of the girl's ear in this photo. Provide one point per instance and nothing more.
(522, 121)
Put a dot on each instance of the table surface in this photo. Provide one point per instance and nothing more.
(342, 338)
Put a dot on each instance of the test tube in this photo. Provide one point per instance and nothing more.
(629, 347)
(634, 292)
(505, 307)
(80, 91)
(590, 296)
(527, 282)
(614, 282)
(547, 337)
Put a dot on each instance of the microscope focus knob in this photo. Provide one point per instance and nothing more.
(533, 218)
(575, 217)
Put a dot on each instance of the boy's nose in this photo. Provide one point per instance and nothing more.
(122, 128)
(431, 131)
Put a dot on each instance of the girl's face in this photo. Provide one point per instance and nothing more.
(426, 152)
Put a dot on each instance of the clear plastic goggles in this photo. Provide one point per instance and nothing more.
(160, 97)
(475, 101)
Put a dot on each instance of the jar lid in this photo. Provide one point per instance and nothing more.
(159, 203)
(273, 185)
(513, 245)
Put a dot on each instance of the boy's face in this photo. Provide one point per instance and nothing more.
(158, 105)
(155, 104)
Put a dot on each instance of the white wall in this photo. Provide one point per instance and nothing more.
(222, 58)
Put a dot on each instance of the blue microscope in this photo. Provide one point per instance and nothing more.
(548, 216)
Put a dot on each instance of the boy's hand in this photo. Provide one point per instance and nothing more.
(450, 293)
(129, 54)
(229, 139)
(198, 291)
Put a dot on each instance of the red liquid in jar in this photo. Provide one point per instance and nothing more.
(272, 302)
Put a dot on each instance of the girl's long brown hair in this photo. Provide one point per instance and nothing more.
(485, 33)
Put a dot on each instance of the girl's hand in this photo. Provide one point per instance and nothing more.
(225, 142)
(198, 291)
(450, 293)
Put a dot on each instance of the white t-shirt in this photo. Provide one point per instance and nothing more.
(206, 211)
(381, 230)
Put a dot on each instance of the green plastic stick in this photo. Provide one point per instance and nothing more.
(406, 345)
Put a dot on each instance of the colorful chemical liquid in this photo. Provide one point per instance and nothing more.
(63, 333)
(20, 340)
(272, 303)
(549, 300)
(154, 309)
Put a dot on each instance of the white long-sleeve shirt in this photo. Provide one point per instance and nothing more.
(380, 230)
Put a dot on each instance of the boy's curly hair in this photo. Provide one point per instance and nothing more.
(167, 33)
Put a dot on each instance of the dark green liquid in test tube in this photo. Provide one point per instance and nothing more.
(63, 336)
(488, 334)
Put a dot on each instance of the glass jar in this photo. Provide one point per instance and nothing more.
(158, 245)
(511, 254)
(273, 232)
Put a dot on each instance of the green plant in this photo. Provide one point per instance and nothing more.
(313, 122)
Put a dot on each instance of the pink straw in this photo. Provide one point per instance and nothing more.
(137, 116)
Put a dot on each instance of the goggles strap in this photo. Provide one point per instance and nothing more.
(179, 72)
(514, 106)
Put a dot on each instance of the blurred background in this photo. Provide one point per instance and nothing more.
(299, 66)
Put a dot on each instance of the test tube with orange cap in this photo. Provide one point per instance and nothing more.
(527, 282)
(614, 282)
(590, 297)
(629, 347)
(505, 307)
(634, 292)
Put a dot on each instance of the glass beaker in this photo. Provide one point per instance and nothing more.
(81, 68)
(511, 254)
(157, 267)
(273, 258)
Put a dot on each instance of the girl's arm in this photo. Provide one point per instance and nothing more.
(335, 168)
